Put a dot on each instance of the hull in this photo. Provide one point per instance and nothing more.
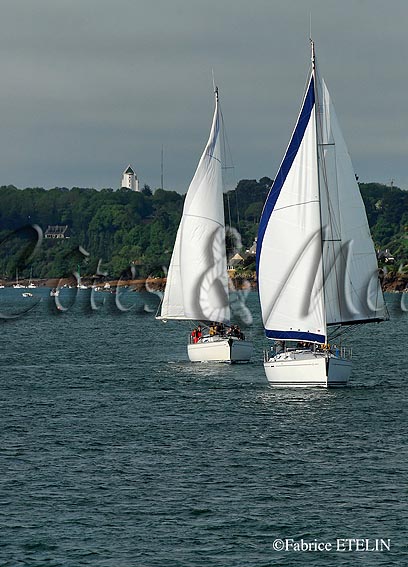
(302, 369)
(215, 349)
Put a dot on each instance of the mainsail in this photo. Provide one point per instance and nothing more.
(197, 280)
(316, 262)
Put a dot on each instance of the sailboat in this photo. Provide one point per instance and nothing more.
(18, 285)
(31, 284)
(80, 285)
(316, 263)
(197, 280)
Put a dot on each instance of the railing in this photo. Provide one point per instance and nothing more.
(345, 352)
(209, 338)
(338, 351)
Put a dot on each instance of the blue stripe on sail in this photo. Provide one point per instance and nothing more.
(295, 335)
(287, 162)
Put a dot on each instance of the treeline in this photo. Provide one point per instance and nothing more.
(387, 213)
(124, 228)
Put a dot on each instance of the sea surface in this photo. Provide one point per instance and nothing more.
(117, 452)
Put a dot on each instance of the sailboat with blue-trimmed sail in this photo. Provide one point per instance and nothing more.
(316, 263)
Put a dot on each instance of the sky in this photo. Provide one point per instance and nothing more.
(90, 86)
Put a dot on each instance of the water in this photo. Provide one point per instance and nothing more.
(114, 451)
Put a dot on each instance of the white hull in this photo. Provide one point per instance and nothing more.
(305, 369)
(217, 349)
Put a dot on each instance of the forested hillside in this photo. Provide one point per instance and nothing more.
(125, 228)
(387, 212)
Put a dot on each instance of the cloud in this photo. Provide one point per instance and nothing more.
(89, 86)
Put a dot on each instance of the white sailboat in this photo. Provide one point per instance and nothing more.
(80, 285)
(18, 285)
(316, 263)
(197, 280)
(31, 284)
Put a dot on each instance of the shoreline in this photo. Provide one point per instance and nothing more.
(392, 283)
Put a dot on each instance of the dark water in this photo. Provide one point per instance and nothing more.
(115, 451)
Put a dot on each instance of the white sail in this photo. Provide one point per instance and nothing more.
(290, 278)
(315, 259)
(352, 288)
(197, 281)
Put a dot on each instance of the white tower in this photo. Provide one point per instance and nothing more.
(129, 179)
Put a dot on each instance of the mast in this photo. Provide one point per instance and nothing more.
(161, 169)
(313, 57)
(316, 106)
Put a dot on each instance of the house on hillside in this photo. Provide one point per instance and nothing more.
(252, 251)
(385, 256)
(58, 231)
(235, 261)
(246, 259)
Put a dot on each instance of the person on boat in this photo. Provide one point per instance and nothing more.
(280, 347)
(199, 333)
(194, 336)
(213, 330)
(219, 329)
(235, 331)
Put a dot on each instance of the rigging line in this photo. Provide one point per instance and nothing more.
(211, 156)
(228, 156)
(237, 209)
(325, 132)
(322, 162)
(229, 211)
(226, 145)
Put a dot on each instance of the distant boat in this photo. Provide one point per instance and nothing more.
(17, 285)
(54, 292)
(27, 294)
(31, 285)
(197, 280)
(316, 263)
(80, 285)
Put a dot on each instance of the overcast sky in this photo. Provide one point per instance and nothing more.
(89, 86)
